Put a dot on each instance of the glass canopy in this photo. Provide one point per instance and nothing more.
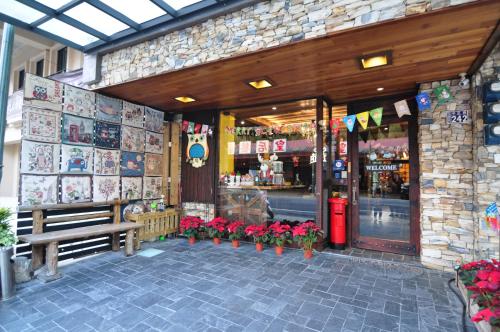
(88, 24)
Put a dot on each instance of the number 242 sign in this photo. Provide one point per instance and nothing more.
(458, 116)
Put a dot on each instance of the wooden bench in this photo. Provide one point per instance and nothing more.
(50, 240)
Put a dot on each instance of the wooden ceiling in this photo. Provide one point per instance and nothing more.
(431, 46)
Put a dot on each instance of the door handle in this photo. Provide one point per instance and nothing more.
(354, 192)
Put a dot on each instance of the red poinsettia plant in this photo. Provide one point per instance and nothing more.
(482, 279)
(306, 234)
(216, 227)
(191, 226)
(236, 230)
(259, 233)
(279, 234)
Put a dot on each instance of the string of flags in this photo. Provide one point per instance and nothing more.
(189, 127)
(492, 216)
(305, 129)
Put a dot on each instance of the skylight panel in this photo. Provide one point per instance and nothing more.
(139, 11)
(96, 19)
(68, 32)
(178, 4)
(19, 11)
(54, 4)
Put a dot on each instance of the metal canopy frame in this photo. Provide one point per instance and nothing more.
(134, 30)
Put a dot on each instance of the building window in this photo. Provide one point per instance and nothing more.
(20, 81)
(39, 67)
(62, 57)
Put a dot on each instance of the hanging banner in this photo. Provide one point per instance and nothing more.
(279, 145)
(363, 119)
(190, 129)
(335, 125)
(204, 129)
(197, 128)
(185, 125)
(402, 108)
(376, 115)
(492, 216)
(230, 148)
(423, 101)
(442, 94)
(262, 146)
(245, 147)
(350, 121)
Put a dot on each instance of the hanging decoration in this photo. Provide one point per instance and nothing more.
(190, 129)
(363, 119)
(402, 108)
(335, 125)
(262, 146)
(245, 147)
(197, 150)
(350, 121)
(376, 115)
(230, 148)
(204, 129)
(197, 128)
(279, 145)
(185, 125)
(423, 101)
(443, 94)
(305, 129)
(492, 216)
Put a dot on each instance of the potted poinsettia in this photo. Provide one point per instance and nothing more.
(279, 234)
(216, 228)
(191, 227)
(306, 234)
(260, 235)
(236, 230)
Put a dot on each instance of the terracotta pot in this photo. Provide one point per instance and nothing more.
(192, 240)
(259, 246)
(278, 250)
(308, 253)
(235, 243)
(216, 241)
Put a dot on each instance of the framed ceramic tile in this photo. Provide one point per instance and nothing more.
(154, 164)
(154, 120)
(75, 189)
(152, 187)
(132, 164)
(133, 139)
(42, 92)
(106, 162)
(154, 142)
(77, 130)
(39, 158)
(41, 125)
(38, 189)
(79, 102)
(106, 188)
(108, 109)
(133, 115)
(131, 188)
(77, 159)
(107, 135)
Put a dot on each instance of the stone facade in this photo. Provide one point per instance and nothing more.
(201, 210)
(264, 25)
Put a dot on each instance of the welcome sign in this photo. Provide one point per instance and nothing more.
(382, 168)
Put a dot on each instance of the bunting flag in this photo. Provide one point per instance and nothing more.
(363, 119)
(423, 101)
(190, 129)
(204, 129)
(197, 128)
(185, 125)
(335, 125)
(442, 94)
(376, 115)
(350, 121)
(492, 216)
(402, 108)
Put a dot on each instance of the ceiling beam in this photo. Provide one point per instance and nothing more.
(114, 13)
(166, 7)
(486, 50)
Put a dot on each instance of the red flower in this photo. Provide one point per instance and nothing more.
(259, 232)
(483, 275)
(485, 314)
(235, 227)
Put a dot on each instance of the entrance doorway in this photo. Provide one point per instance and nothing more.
(384, 189)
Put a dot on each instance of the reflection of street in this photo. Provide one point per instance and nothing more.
(292, 205)
(392, 220)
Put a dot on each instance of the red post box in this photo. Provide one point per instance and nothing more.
(337, 222)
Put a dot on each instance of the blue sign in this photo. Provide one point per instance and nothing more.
(338, 165)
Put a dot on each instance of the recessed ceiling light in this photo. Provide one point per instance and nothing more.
(185, 99)
(260, 83)
(274, 108)
(375, 60)
(242, 122)
(380, 89)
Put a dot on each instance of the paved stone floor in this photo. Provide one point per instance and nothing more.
(207, 288)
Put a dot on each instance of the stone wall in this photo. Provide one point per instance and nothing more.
(266, 24)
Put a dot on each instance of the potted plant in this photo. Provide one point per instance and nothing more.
(279, 234)
(260, 235)
(190, 227)
(7, 241)
(216, 228)
(306, 234)
(236, 230)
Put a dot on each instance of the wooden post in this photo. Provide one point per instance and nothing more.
(116, 220)
(37, 250)
(174, 164)
(52, 252)
(129, 242)
(166, 163)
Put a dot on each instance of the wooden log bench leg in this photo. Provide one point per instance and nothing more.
(51, 253)
(129, 243)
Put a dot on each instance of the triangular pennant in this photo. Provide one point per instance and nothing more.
(197, 128)
(423, 101)
(350, 121)
(190, 129)
(363, 119)
(402, 108)
(376, 115)
(204, 129)
(185, 125)
(443, 94)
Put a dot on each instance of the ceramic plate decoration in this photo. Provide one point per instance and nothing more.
(154, 164)
(133, 115)
(132, 139)
(107, 162)
(107, 135)
(152, 187)
(106, 188)
(131, 188)
(77, 130)
(154, 120)
(79, 102)
(154, 142)
(75, 189)
(108, 109)
(41, 125)
(132, 164)
(42, 92)
(77, 159)
(39, 158)
(38, 189)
